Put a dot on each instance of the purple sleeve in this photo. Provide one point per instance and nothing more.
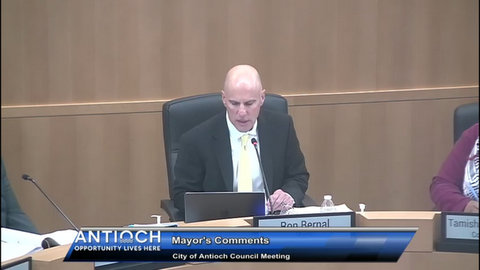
(446, 189)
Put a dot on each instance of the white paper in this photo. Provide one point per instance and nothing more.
(14, 250)
(62, 237)
(17, 243)
(317, 209)
(158, 225)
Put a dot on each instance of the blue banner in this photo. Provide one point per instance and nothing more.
(241, 244)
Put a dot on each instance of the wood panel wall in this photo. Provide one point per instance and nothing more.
(70, 51)
(371, 85)
(106, 167)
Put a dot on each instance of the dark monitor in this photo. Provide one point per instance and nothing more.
(201, 206)
(20, 264)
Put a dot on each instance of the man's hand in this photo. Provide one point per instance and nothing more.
(280, 201)
(472, 207)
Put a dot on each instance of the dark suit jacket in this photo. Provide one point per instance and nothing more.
(13, 216)
(204, 161)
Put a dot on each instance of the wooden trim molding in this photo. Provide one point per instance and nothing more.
(149, 106)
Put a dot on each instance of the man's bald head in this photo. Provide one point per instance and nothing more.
(242, 76)
(243, 96)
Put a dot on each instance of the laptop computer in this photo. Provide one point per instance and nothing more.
(200, 206)
(18, 264)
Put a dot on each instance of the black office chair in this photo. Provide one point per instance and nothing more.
(464, 117)
(182, 114)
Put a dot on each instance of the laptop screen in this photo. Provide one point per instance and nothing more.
(201, 206)
(19, 264)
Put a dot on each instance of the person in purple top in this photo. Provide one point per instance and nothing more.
(455, 187)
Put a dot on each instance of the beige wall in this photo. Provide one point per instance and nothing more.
(64, 51)
(371, 85)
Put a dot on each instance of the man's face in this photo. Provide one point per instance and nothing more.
(243, 103)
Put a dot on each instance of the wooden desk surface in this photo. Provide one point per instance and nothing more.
(53, 258)
(408, 261)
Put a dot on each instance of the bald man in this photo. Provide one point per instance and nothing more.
(209, 153)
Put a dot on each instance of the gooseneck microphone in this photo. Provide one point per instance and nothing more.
(28, 178)
(267, 191)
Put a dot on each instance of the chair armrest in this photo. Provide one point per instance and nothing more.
(172, 211)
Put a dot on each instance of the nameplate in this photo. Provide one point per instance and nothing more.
(461, 226)
(316, 220)
(459, 232)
